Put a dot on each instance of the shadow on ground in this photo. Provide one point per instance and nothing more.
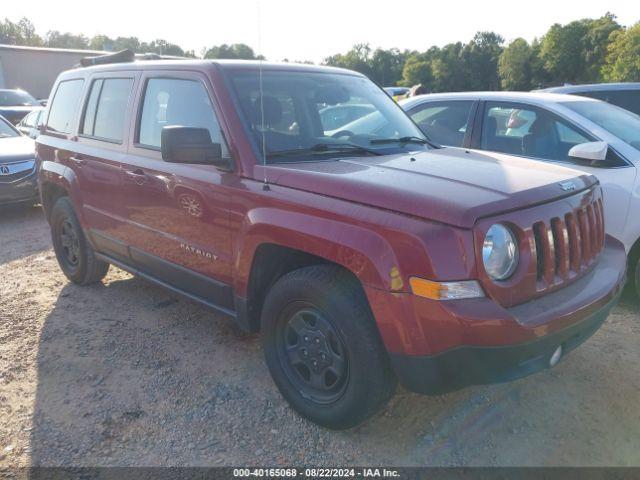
(23, 232)
(130, 375)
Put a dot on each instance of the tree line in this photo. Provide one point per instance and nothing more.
(23, 33)
(582, 51)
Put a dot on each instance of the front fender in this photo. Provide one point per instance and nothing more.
(363, 252)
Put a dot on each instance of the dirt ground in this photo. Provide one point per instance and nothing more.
(124, 373)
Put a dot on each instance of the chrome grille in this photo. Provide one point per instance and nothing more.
(12, 172)
(567, 246)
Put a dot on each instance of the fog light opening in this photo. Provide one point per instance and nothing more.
(555, 358)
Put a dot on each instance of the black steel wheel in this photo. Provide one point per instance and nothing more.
(74, 253)
(70, 244)
(312, 353)
(323, 347)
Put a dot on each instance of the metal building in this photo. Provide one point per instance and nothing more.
(35, 69)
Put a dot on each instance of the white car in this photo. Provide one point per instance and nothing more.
(583, 133)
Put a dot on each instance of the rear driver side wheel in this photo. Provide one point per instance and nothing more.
(75, 256)
(323, 348)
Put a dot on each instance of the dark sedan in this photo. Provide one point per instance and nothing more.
(16, 104)
(17, 166)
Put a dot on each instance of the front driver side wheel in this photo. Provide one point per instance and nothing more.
(323, 348)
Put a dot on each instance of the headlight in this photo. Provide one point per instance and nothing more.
(500, 252)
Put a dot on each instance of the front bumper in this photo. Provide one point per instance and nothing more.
(470, 365)
(24, 189)
(475, 341)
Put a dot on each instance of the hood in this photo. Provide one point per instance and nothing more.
(16, 149)
(449, 185)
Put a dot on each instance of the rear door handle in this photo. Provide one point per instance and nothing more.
(137, 176)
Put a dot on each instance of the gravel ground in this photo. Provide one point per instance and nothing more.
(124, 373)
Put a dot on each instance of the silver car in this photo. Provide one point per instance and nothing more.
(30, 124)
(625, 94)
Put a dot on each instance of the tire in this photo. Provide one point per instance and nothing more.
(322, 310)
(75, 256)
(634, 274)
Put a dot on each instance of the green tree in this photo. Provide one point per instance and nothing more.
(596, 44)
(539, 74)
(21, 33)
(56, 39)
(387, 66)
(382, 66)
(237, 51)
(358, 59)
(623, 56)
(417, 70)
(131, 43)
(561, 52)
(449, 69)
(576, 52)
(481, 56)
(161, 47)
(515, 66)
(101, 42)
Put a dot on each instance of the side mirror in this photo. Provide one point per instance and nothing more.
(593, 151)
(190, 145)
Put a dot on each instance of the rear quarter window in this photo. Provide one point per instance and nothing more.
(64, 106)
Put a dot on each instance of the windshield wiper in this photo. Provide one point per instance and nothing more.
(421, 141)
(324, 148)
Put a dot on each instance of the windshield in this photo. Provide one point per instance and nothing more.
(617, 121)
(308, 114)
(17, 98)
(7, 130)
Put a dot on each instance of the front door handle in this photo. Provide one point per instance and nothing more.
(137, 176)
(78, 160)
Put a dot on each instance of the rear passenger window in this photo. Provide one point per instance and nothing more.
(64, 106)
(531, 132)
(105, 113)
(170, 101)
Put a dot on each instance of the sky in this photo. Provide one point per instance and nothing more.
(301, 30)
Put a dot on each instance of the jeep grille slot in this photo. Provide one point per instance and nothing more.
(537, 237)
(565, 247)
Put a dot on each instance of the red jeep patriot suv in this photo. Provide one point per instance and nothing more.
(363, 255)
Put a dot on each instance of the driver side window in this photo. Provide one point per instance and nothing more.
(174, 101)
(528, 131)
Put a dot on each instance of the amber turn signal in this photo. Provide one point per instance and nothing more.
(445, 290)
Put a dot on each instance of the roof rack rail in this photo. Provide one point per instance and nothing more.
(157, 56)
(122, 56)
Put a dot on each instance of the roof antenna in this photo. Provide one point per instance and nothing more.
(265, 184)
